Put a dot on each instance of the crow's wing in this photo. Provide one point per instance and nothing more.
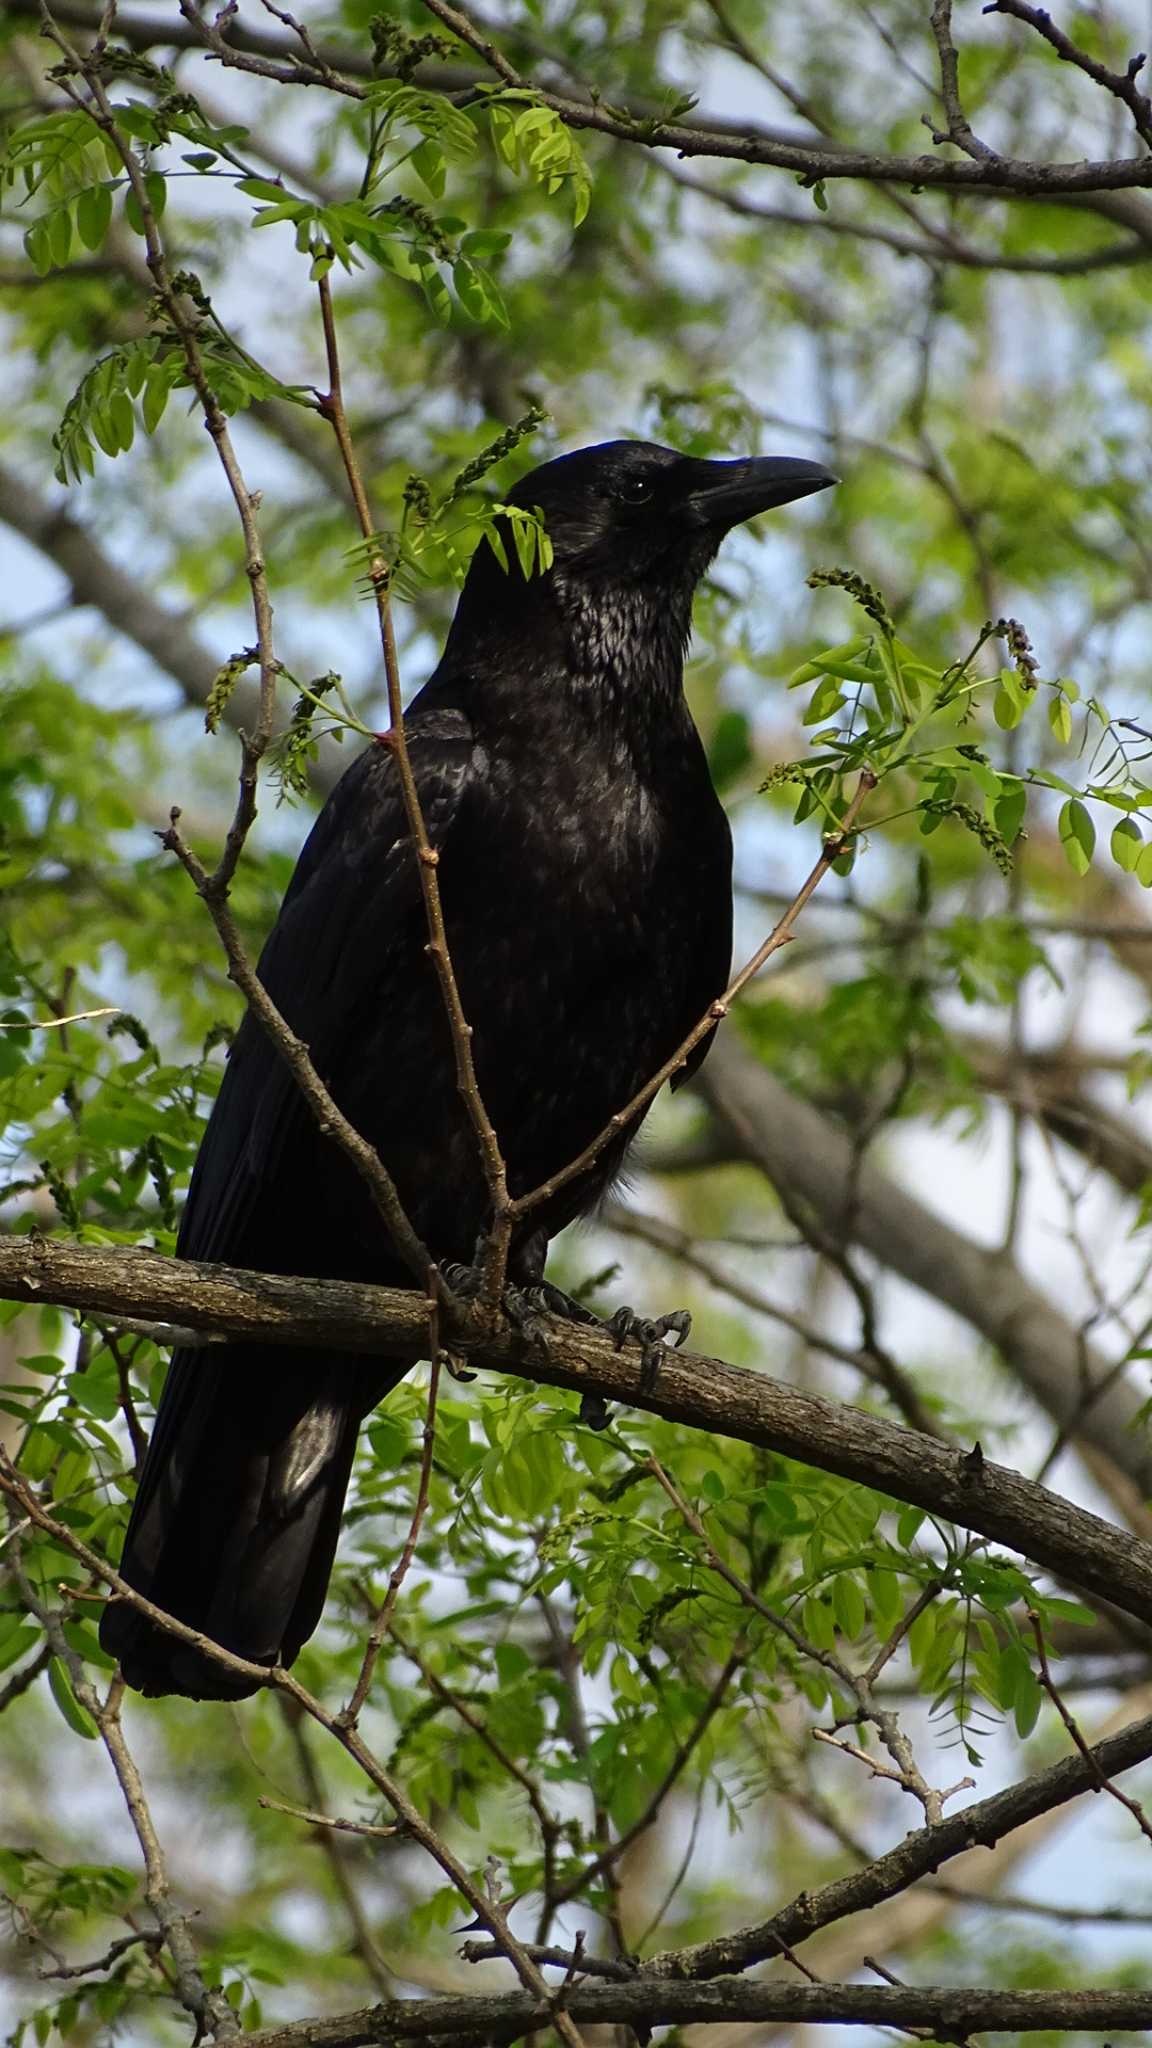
(353, 910)
(237, 1513)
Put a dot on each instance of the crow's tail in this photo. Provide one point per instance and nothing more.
(237, 1514)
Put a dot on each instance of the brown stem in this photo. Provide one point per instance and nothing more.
(704, 1393)
(907, 1772)
(332, 409)
(383, 1614)
(1133, 1806)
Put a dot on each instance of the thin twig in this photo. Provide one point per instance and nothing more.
(641, 125)
(58, 1023)
(680, 1245)
(149, 1937)
(602, 1863)
(253, 744)
(907, 1772)
(331, 408)
(959, 130)
(1122, 84)
(547, 1822)
(1103, 1784)
(336, 1822)
(207, 2006)
(917, 1856)
(488, 1909)
(383, 1614)
(296, 1056)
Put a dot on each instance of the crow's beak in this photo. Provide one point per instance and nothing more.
(724, 493)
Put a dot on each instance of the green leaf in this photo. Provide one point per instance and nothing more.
(848, 1605)
(138, 121)
(78, 1718)
(264, 188)
(60, 235)
(887, 1602)
(827, 698)
(430, 167)
(94, 215)
(477, 293)
(1077, 835)
(1009, 810)
(1060, 719)
(38, 247)
(1127, 844)
(1007, 705)
(156, 394)
(481, 243)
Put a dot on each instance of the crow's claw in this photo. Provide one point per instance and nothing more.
(528, 1309)
(627, 1327)
(528, 1314)
(594, 1412)
(524, 1307)
(465, 1281)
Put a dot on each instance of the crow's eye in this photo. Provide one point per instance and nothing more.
(632, 490)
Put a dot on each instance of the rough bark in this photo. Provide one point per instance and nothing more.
(705, 1393)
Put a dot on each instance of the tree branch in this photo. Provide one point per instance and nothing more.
(509, 2015)
(1121, 84)
(702, 1392)
(272, 57)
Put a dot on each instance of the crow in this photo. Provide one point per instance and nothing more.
(585, 874)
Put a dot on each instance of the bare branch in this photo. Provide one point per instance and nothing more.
(399, 1573)
(705, 1393)
(1122, 84)
(640, 125)
(959, 130)
(296, 1056)
(940, 246)
(1132, 1806)
(331, 405)
(507, 2016)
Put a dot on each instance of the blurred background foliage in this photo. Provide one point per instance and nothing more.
(564, 1661)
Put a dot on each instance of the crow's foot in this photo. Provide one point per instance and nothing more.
(528, 1308)
(626, 1327)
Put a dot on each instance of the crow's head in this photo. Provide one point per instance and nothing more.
(628, 508)
(633, 527)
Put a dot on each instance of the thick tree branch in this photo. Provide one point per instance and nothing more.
(702, 1392)
(508, 2015)
(983, 1824)
(339, 70)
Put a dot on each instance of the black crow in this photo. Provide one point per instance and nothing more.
(585, 873)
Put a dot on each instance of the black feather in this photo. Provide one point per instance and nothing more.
(585, 875)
